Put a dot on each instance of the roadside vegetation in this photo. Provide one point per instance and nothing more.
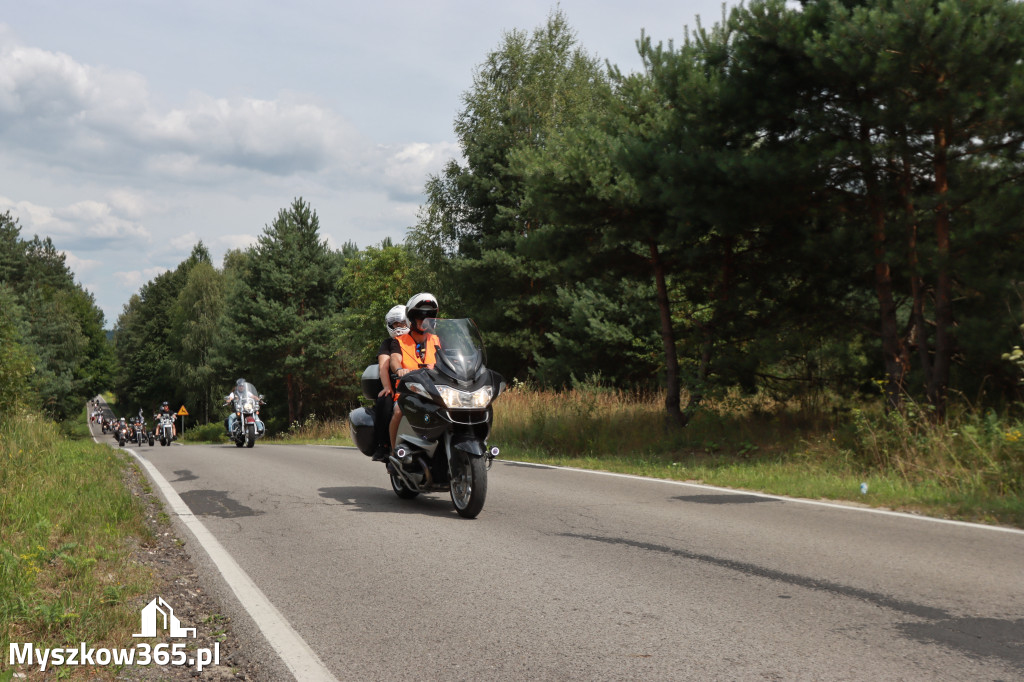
(68, 524)
(970, 467)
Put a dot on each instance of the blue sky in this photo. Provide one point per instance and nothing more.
(131, 129)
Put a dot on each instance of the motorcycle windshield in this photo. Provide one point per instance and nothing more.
(461, 348)
(250, 394)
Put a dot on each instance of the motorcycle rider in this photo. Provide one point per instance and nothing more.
(397, 325)
(416, 349)
(165, 409)
(140, 422)
(240, 391)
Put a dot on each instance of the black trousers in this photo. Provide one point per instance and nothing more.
(382, 411)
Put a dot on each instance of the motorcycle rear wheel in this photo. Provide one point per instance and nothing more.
(469, 484)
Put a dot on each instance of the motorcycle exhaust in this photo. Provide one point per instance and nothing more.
(428, 479)
(396, 465)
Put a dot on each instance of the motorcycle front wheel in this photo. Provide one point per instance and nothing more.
(469, 484)
(250, 435)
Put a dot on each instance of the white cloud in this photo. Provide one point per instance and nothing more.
(83, 219)
(134, 279)
(407, 167)
(88, 117)
(130, 204)
(37, 83)
(235, 241)
(80, 265)
(182, 241)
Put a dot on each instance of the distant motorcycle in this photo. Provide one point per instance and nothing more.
(165, 429)
(247, 426)
(122, 432)
(446, 418)
(139, 433)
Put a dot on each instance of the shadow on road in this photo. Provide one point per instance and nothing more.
(216, 503)
(383, 500)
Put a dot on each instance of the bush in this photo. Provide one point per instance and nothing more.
(205, 433)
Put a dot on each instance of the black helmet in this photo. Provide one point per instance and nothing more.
(240, 382)
(164, 404)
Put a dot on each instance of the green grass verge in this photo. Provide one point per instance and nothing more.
(800, 478)
(68, 523)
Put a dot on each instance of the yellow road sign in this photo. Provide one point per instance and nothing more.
(183, 412)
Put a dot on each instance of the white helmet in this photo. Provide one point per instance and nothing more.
(396, 321)
(421, 307)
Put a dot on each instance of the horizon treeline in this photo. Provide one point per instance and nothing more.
(808, 201)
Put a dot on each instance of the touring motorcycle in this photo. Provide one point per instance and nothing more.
(247, 426)
(165, 428)
(446, 418)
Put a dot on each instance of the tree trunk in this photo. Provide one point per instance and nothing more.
(673, 414)
(289, 386)
(918, 334)
(938, 386)
(892, 352)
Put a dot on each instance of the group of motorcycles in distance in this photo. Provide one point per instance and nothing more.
(134, 430)
(243, 425)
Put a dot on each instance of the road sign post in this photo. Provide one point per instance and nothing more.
(182, 412)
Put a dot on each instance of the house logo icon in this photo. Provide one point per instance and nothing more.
(151, 620)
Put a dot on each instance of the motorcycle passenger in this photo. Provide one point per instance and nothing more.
(397, 325)
(416, 349)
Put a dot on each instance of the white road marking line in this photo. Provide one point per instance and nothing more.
(819, 503)
(297, 656)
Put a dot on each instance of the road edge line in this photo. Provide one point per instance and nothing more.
(295, 653)
(782, 498)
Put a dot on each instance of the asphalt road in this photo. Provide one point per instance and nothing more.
(573, 575)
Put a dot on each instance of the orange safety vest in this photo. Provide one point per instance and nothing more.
(410, 359)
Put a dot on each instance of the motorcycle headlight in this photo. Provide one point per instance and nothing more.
(248, 406)
(457, 399)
